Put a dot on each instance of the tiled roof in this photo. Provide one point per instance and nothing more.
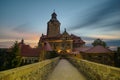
(74, 36)
(27, 51)
(77, 39)
(45, 37)
(98, 49)
(47, 46)
(81, 49)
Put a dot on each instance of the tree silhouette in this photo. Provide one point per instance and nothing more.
(99, 42)
(16, 58)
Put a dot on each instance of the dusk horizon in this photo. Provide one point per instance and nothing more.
(88, 19)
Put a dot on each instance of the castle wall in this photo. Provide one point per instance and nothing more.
(96, 71)
(36, 71)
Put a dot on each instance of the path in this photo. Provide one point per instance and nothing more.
(65, 71)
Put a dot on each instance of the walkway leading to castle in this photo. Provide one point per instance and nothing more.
(65, 71)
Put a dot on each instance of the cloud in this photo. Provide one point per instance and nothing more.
(21, 31)
(113, 26)
(96, 14)
(6, 44)
(112, 44)
(23, 28)
(25, 31)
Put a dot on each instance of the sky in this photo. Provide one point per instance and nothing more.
(89, 19)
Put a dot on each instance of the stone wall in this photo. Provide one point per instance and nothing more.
(36, 71)
(95, 71)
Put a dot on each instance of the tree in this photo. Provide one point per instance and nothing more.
(16, 58)
(10, 59)
(99, 42)
(117, 57)
(3, 59)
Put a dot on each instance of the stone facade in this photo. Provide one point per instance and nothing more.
(53, 26)
(99, 54)
(28, 54)
(95, 71)
(36, 71)
(59, 42)
(103, 58)
(32, 55)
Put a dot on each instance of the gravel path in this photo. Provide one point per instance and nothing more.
(65, 71)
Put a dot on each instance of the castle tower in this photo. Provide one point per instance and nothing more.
(53, 26)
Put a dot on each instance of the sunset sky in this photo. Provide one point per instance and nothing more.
(90, 19)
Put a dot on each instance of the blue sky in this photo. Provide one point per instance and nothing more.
(89, 19)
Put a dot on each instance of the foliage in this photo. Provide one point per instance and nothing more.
(51, 54)
(99, 42)
(3, 59)
(16, 61)
(117, 57)
(10, 59)
(118, 50)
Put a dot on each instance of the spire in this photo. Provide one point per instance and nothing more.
(65, 30)
(42, 34)
(22, 41)
(54, 15)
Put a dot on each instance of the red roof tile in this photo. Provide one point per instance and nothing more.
(47, 47)
(27, 51)
(98, 49)
(81, 49)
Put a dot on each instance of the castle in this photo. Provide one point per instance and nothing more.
(64, 43)
(53, 41)
(59, 41)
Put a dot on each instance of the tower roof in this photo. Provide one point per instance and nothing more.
(54, 16)
(65, 32)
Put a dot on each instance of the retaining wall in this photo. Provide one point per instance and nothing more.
(36, 71)
(95, 71)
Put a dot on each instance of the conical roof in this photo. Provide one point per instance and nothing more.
(47, 46)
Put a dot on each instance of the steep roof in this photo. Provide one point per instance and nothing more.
(45, 37)
(77, 39)
(98, 49)
(47, 46)
(81, 49)
(27, 51)
(74, 36)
